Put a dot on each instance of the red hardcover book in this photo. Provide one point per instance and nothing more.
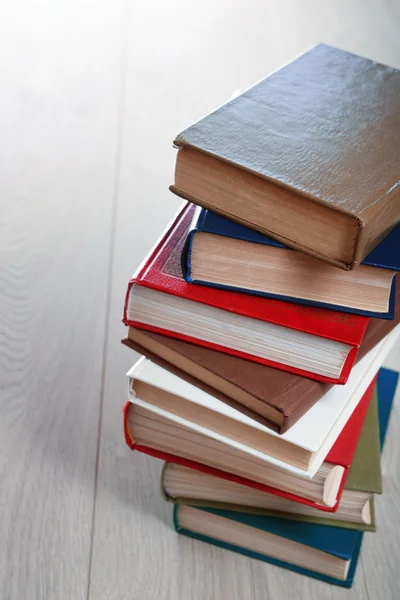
(341, 454)
(161, 272)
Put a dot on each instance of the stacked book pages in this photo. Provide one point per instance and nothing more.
(264, 314)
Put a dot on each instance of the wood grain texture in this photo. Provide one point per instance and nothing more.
(60, 118)
(181, 65)
(59, 103)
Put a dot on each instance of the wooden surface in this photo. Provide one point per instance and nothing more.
(92, 94)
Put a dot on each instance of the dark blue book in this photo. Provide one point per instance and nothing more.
(320, 551)
(386, 385)
(231, 256)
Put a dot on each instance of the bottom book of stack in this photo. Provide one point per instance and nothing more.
(279, 531)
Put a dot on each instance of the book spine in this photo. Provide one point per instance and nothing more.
(164, 492)
(175, 519)
(202, 219)
(186, 257)
(128, 438)
(376, 222)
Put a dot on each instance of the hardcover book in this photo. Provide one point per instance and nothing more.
(308, 156)
(163, 437)
(311, 342)
(356, 508)
(318, 551)
(300, 451)
(214, 492)
(275, 398)
(222, 254)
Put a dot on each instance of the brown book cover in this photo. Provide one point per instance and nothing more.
(259, 386)
(310, 156)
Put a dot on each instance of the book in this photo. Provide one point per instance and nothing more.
(356, 507)
(387, 382)
(162, 437)
(300, 451)
(222, 254)
(308, 156)
(182, 485)
(275, 398)
(311, 342)
(313, 549)
(154, 434)
(318, 551)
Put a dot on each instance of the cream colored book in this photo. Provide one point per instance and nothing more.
(300, 451)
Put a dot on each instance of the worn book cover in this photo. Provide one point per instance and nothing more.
(309, 156)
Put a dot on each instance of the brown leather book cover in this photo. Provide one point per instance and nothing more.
(185, 348)
(325, 128)
(289, 394)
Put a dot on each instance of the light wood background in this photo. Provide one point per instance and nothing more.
(92, 93)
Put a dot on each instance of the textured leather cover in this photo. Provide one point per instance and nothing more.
(288, 393)
(343, 543)
(342, 452)
(161, 271)
(386, 255)
(325, 127)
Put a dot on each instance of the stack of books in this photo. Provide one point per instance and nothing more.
(265, 311)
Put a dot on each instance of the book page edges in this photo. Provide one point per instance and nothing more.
(181, 144)
(286, 241)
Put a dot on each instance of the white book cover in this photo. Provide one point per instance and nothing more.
(316, 431)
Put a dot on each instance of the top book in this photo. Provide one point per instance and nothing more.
(310, 156)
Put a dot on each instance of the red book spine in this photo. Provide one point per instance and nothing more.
(343, 449)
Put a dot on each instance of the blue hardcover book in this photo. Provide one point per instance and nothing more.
(386, 385)
(320, 551)
(246, 271)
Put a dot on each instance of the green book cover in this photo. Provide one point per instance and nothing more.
(365, 470)
(364, 475)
